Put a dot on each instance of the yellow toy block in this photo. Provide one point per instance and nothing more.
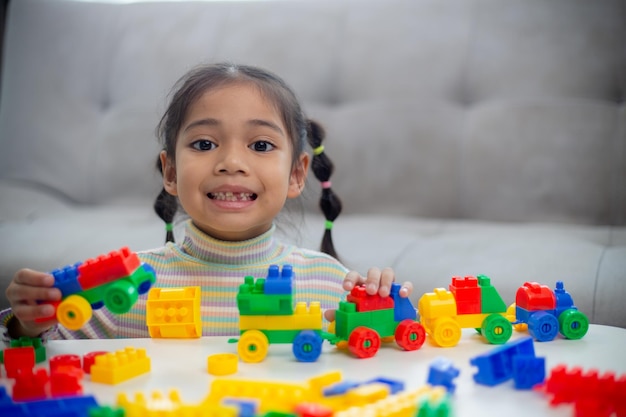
(113, 368)
(222, 363)
(174, 312)
(171, 406)
(302, 318)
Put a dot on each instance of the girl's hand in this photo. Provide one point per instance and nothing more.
(25, 293)
(377, 281)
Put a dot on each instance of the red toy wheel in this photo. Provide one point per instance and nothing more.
(410, 335)
(364, 342)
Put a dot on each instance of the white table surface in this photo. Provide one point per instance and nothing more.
(182, 365)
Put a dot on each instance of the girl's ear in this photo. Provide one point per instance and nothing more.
(298, 176)
(169, 174)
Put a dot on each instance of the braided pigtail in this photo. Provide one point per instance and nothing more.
(165, 207)
(323, 168)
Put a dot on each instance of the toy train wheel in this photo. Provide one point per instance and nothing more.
(120, 297)
(496, 329)
(307, 346)
(543, 326)
(252, 347)
(446, 332)
(74, 312)
(410, 335)
(364, 342)
(573, 324)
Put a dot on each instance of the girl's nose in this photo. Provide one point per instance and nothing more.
(232, 160)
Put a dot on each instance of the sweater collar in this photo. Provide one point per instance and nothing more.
(257, 250)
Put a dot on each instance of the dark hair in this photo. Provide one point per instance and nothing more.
(300, 129)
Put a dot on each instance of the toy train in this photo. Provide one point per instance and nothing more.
(114, 281)
(362, 321)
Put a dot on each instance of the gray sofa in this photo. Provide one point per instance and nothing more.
(469, 136)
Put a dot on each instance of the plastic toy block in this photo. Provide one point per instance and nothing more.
(341, 388)
(170, 406)
(246, 408)
(367, 394)
(90, 358)
(348, 319)
(106, 411)
(591, 393)
(222, 363)
(528, 371)
(35, 342)
(113, 368)
(367, 302)
(302, 318)
(542, 325)
(105, 268)
(403, 308)
(534, 296)
(30, 385)
(64, 361)
(491, 302)
(467, 295)
(496, 366)
(18, 359)
(66, 381)
(66, 279)
(442, 372)
(313, 410)
(77, 406)
(564, 300)
(278, 414)
(395, 386)
(279, 282)
(272, 396)
(439, 303)
(174, 312)
(251, 299)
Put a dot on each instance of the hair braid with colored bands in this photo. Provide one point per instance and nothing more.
(165, 207)
(323, 168)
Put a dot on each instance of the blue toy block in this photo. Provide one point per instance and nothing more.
(564, 300)
(55, 407)
(247, 408)
(528, 371)
(442, 373)
(340, 388)
(66, 279)
(496, 366)
(395, 385)
(402, 309)
(279, 282)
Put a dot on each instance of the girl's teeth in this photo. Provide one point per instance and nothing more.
(230, 196)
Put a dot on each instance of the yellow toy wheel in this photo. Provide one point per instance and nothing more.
(74, 312)
(252, 347)
(511, 316)
(446, 332)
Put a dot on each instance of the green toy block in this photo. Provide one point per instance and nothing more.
(347, 319)
(252, 301)
(282, 336)
(491, 302)
(35, 342)
(439, 408)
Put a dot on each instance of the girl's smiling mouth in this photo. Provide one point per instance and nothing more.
(232, 196)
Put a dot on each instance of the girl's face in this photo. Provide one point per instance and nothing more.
(233, 169)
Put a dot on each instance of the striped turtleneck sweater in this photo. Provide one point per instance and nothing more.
(218, 268)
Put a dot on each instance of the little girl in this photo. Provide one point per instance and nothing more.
(234, 141)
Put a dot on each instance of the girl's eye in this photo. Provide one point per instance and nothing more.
(262, 146)
(203, 145)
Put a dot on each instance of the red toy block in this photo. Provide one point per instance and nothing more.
(467, 295)
(66, 381)
(313, 410)
(106, 268)
(30, 385)
(18, 359)
(90, 358)
(535, 297)
(367, 302)
(62, 361)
